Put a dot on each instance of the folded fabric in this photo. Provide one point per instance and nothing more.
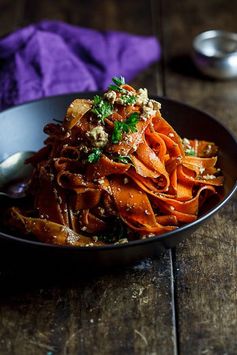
(52, 57)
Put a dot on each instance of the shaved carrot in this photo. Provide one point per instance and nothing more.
(115, 162)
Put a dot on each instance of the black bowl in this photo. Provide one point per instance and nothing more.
(21, 128)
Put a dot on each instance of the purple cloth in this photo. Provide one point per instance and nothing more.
(52, 57)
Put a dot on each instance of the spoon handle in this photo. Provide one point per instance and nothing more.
(3, 194)
(9, 197)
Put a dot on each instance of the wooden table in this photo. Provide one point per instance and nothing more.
(181, 303)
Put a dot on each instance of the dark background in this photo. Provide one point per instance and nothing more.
(181, 303)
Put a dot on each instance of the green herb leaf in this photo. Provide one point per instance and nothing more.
(115, 88)
(125, 159)
(117, 132)
(131, 121)
(128, 99)
(190, 151)
(101, 108)
(118, 82)
(127, 126)
(94, 156)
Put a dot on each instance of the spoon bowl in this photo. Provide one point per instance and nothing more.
(15, 174)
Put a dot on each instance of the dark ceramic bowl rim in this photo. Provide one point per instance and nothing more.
(139, 242)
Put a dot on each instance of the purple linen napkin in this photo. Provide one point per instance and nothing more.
(52, 57)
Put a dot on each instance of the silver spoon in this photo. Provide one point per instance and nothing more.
(14, 175)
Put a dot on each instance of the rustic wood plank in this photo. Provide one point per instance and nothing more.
(120, 312)
(125, 311)
(102, 15)
(206, 262)
(10, 15)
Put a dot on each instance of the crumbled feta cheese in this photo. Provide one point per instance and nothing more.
(125, 180)
(186, 141)
(111, 96)
(101, 181)
(101, 210)
(129, 139)
(147, 112)
(142, 97)
(122, 241)
(84, 148)
(209, 177)
(150, 109)
(171, 134)
(89, 245)
(201, 170)
(155, 105)
(98, 137)
(109, 190)
(72, 237)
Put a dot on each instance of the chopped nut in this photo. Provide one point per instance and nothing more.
(209, 177)
(110, 96)
(147, 112)
(98, 137)
(122, 241)
(142, 97)
(155, 105)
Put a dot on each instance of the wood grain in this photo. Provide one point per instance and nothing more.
(205, 263)
(102, 15)
(141, 309)
(130, 311)
(11, 13)
(126, 311)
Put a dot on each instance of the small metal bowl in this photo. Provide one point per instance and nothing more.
(215, 54)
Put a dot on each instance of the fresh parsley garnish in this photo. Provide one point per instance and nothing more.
(94, 156)
(190, 151)
(117, 132)
(101, 108)
(131, 122)
(125, 159)
(128, 99)
(118, 80)
(120, 127)
(117, 83)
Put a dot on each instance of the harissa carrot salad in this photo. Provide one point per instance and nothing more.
(114, 171)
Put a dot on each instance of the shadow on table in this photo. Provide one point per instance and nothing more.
(17, 283)
(183, 64)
